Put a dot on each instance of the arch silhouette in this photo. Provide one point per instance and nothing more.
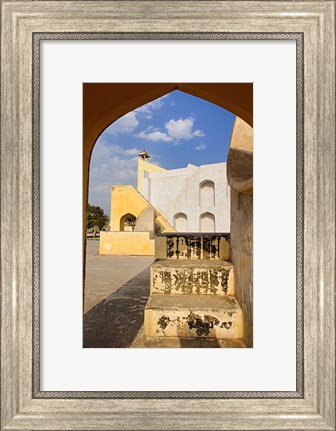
(105, 103)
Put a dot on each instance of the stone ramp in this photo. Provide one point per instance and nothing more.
(127, 199)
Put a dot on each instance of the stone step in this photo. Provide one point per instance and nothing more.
(176, 245)
(192, 276)
(187, 316)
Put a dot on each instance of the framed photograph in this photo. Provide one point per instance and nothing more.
(89, 92)
(168, 253)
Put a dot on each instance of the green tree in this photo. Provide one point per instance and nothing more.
(96, 217)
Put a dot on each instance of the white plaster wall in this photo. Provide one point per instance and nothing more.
(163, 187)
(178, 191)
(145, 185)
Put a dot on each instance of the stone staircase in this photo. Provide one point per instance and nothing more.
(192, 288)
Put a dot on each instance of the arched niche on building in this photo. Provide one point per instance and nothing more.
(127, 223)
(207, 222)
(181, 222)
(207, 193)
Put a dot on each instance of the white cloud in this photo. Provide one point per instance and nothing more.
(198, 133)
(148, 109)
(177, 130)
(132, 152)
(103, 150)
(200, 147)
(182, 129)
(125, 124)
(152, 129)
(154, 136)
(110, 165)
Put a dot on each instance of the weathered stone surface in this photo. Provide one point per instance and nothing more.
(188, 316)
(192, 246)
(242, 256)
(146, 221)
(191, 276)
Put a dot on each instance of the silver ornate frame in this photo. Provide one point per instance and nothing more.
(312, 25)
(298, 37)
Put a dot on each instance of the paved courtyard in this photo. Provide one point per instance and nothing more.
(105, 274)
(116, 293)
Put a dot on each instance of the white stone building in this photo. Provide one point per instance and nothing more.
(193, 199)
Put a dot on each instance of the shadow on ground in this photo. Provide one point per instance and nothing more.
(116, 320)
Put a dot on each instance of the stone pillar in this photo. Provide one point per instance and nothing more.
(240, 177)
(242, 257)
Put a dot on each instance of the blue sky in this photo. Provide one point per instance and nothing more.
(175, 130)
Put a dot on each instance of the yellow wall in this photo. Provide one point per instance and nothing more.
(126, 243)
(126, 199)
(146, 166)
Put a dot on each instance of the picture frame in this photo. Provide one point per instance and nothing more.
(22, 405)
